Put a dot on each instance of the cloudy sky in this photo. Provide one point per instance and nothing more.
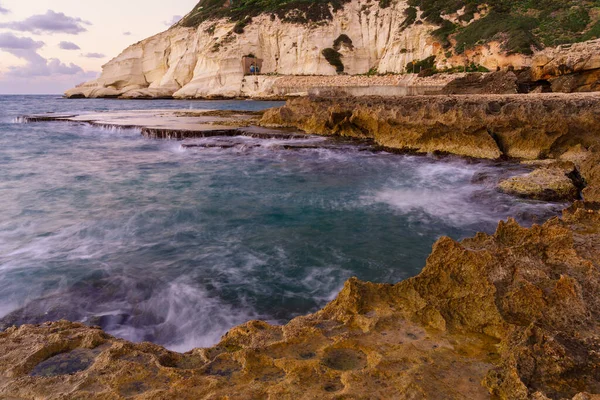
(47, 46)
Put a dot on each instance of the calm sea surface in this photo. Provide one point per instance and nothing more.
(156, 242)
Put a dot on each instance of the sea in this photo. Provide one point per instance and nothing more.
(155, 241)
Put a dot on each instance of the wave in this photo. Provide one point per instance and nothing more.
(153, 240)
(445, 192)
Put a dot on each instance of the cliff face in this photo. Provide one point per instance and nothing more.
(569, 68)
(207, 60)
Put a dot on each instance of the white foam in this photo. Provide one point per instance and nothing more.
(115, 129)
(190, 318)
(7, 307)
(450, 206)
(444, 191)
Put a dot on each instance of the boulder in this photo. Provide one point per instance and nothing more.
(569, 68)
(551, 183)
(502, 82)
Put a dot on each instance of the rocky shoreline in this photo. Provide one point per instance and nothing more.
(560, 127)
(511, 315)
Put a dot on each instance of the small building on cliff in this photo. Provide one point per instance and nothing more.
(252, 65)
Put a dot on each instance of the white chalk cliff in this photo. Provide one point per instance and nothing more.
(207, 61)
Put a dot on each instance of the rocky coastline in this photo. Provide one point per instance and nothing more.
(550, 127)
(511, 315)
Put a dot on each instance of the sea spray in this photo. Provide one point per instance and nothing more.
(153, 240)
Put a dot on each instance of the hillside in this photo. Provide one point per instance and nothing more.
(521, 25)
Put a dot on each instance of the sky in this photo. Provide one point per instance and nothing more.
(49, 46)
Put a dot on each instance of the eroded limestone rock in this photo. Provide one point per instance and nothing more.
(489, 126)
(554, 182)
(511, 315)
(569, 68)
(502, 82)
(207, 61)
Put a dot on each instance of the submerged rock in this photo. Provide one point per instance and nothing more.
(511, 315)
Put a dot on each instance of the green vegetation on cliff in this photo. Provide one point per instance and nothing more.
(295, 11)
(521, 25)
(334, 58)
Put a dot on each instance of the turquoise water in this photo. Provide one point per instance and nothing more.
(157, 242)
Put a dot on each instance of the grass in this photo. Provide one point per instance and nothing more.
(593, 32)
(411, 17)
(515, 31)
(443, 33)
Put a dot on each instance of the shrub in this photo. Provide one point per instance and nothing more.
(514, 31)
(211, 29)
(411, 16)
(418, 66)
(372, 72)
(240, 25)
(470, 10)
(592, 33)
(385, 3)
(343, 39)
(576, 19)
(334, 58)
(443, 32)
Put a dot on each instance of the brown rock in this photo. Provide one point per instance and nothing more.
(569, 68)
(502, 82)
(511, 315)
(527, 127)
(551, 183)
(590, 170)
(587, 81)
